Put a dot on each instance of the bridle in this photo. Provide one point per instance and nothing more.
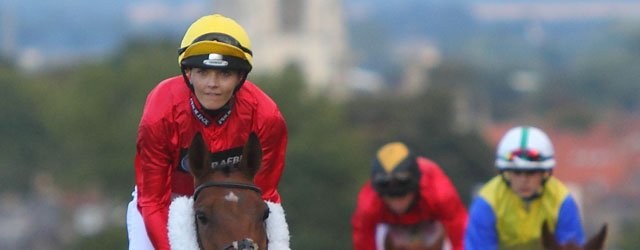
(225, 184)
(243, 244)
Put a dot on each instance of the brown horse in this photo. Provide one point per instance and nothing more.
(426, 235)
(228, 206)
(596, 242)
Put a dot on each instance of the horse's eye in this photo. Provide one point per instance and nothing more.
(266, 213)
(201, 217)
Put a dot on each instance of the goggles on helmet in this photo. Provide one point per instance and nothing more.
(396, 184)
(525, 160)
(217, 37)
(526, 154)
(388, 179)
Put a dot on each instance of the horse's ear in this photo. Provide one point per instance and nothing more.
(251, 156)
(548, 240)
(198, 156)
(597, 241)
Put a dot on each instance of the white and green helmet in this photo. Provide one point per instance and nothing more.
(525, 148)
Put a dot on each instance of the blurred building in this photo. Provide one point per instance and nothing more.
(420, 58)
(8, 26)
(309, 33)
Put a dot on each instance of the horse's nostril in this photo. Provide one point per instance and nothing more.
(246, 244)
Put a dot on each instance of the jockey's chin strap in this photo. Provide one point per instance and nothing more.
(243, 244)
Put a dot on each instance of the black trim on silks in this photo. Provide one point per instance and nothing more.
(199, 114)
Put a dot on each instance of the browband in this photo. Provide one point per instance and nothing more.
(225, 184)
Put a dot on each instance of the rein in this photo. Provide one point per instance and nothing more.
(246, 243)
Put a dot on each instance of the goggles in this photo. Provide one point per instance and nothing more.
(217, 37)
(396, 184)
(509, 172)
(526, 154)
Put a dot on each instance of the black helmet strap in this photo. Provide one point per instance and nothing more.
(186, 78)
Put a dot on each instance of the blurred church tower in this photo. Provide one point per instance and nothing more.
(309, 33)
(7, 30)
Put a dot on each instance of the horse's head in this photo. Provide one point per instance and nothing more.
(229, 210)
(422, 236)
(596, 242)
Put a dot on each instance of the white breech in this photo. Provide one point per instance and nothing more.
(138, 238)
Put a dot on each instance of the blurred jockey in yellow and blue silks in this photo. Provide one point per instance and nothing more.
(508, 213)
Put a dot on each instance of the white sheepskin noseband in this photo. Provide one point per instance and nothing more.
(182, 228)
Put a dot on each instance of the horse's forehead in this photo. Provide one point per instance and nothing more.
(232, 197)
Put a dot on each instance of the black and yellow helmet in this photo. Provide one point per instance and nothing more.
(395, 170)
(215, 41)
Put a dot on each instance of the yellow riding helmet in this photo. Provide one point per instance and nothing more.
(217, 41)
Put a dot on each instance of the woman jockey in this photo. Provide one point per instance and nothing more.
(213, 97)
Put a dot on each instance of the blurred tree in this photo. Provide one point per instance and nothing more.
(427, 122)
(324, 157)
(92, 112)
(629, 235)
(111, 238)
(25, 146)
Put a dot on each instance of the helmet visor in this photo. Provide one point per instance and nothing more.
(394, 185)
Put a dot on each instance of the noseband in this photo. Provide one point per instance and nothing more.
(246, 243)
